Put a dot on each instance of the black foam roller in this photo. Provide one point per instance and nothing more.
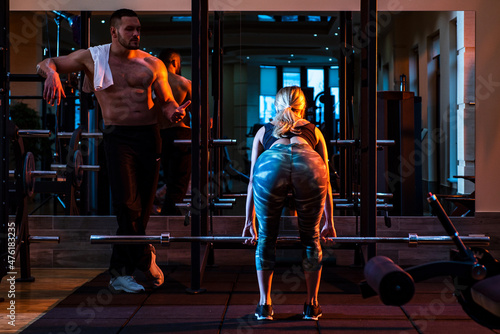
(393, 285)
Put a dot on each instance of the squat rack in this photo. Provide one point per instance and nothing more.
(200, 52)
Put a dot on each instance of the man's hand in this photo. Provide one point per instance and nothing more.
(179, 113)
(53, 89)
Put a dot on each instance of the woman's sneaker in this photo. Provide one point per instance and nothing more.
(312, 312)
(264, 312)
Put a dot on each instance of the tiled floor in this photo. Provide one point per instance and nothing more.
(231, 294)
(33, 299)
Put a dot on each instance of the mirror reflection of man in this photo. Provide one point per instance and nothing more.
(176, 159)
(123, 78)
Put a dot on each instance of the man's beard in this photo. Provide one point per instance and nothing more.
(126, 45)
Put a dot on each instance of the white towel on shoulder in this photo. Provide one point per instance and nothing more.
(102, 72)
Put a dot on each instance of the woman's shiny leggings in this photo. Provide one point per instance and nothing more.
(277, 171)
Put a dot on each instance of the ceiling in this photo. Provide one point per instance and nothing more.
(270, 39)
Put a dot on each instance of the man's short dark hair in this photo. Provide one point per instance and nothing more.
(166, 55)
(118, 14)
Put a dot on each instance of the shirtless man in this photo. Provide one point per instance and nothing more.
(131, 135)
(175, 159)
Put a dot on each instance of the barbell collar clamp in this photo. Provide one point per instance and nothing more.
(412, 240)
(165, 238)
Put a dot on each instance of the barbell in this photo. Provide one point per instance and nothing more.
(212, 142)
(43, 239)
(218, 205)
(83, 134)
(351, 142)
(380, 207)
(77, 167)
(34, 133)
(165, 238)
(29, 174)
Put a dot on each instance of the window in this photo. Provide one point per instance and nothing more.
(268, 90)
(413, 72)
(291, 76)
(315, 80)
(334, 88)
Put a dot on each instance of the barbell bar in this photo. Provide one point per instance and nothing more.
(219, 205)
(380, 207)
(44, 239)
(83, 134)
(214, 142)
(34, 133)
(47, 174)
(413, 239)
(349, 142)
(357, 194)
(38, 239)
(88, 168)
(347, 201)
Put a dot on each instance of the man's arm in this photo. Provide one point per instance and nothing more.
(188, 89)
(163, 92)
(51, 67)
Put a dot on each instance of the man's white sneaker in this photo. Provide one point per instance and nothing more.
(126, 284)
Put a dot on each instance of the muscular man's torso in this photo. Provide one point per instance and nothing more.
(128, 101)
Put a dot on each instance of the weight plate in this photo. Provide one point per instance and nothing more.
(78, 162)
(28, 179)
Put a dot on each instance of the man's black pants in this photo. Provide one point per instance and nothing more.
(133, 159)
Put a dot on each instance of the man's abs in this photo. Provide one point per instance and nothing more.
(126, 107)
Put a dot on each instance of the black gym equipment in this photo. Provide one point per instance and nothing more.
(475, 273)
(21, 189)
(23, 185)
(4, 144)
(67, 189)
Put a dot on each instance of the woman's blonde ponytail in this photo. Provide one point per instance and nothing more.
(290, 108)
